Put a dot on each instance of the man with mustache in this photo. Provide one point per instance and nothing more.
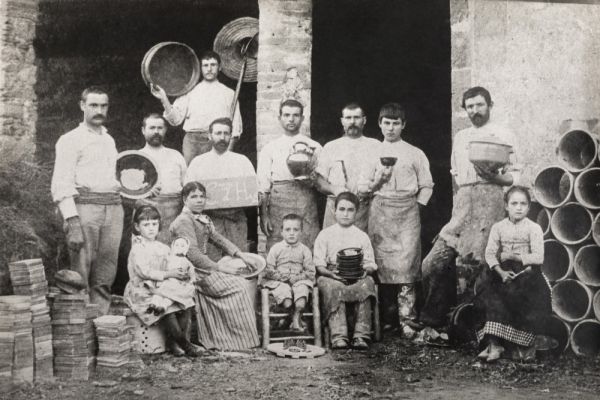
(208, 100)
(221, 163)
(85, 188)
(343, 165)
(458, 252)
(281, 193)
(166, 195)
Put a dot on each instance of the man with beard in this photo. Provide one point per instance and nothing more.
(208, 100)
(458, 252)
(281, 193)
(221, 163)
(343, 165)
(85, 188)
(166, 196)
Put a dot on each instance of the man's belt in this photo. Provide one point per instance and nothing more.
(99, 198)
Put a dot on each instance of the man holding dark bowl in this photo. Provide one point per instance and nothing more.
(402, 184)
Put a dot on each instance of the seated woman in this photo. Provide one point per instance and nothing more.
(513, 301)
(149, 270)
(227, 309)
(334, 289)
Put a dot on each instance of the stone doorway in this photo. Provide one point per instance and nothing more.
(378, 51)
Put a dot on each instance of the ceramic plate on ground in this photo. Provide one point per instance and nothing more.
(310, 352)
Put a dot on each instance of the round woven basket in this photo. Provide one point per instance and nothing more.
(229, 43)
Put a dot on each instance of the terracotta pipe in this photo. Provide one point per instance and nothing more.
(541, 216)
(587, 265)
(572, 223)
(558, 260)
(577, 149)
(587, 188)
(553, 186)
(596, 229)
(585, 338)
(571, 300)
(596, 305)
(560, 331)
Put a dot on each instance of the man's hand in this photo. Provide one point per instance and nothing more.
(75, 239)
(159, 93)
(265, 225)
(155, 191)
(248, 260)
(370, 270)
(505, 179)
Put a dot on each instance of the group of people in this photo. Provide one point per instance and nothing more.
(376, 192)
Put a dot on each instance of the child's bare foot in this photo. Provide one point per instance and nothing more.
(297, 324)
(159, 310)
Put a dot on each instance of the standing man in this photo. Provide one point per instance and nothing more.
(280, 192)
(86, 191)
(342, 165)
(401, 190)
(207, 101)
(166, 196)
(221, 163)
(457, 254)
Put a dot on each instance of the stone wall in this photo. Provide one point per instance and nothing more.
(284, 63)
(538, 59)
(17, 70)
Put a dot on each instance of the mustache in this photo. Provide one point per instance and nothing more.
(99, 115)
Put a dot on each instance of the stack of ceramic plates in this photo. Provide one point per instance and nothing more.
(114, 341)
(349, 263)
(29, 279)
(15, 323)
(68, 336)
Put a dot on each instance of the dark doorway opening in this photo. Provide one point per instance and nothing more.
(102, 42)
(379, 51)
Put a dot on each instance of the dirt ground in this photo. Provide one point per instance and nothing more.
(393, 369)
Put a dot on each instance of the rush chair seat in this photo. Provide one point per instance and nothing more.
(270, 335)
(375, 326)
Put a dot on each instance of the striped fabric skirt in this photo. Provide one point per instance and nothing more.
(226, 319)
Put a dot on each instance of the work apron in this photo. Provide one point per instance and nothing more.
(395, 233)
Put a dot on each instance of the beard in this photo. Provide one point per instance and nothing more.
(155, 141)
(353, 131)
(479, 119)
(221, 145)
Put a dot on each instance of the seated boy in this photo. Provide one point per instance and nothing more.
(290, 271)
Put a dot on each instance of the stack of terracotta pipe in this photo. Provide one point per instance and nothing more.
(568, 210)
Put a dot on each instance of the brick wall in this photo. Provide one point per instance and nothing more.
(284, 62)
(17, 70)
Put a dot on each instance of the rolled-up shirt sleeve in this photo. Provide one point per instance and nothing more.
(320, 251)
(63, 178)
(263, 170)
(176, 115)
(424, 179)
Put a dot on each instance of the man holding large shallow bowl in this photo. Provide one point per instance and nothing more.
(459, 248)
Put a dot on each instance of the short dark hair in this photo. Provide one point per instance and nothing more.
(292, 217)
(153, 116)
(190, 187)
(208, 54)
(221, 121)
(92, 90)
(291, 103)
(145, 212)
(477, 91)
(353, 106)
(349, 196)
(392, 111)
(517, 189)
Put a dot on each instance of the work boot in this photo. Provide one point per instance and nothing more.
(339, 344)
(174, 348)
(360, 344)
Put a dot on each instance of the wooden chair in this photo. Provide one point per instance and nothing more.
(375, 327)
(267, 316)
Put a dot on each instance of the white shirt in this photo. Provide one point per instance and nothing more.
(357, 155)
(213, 165)
(171, 166)
(203, 104)
(335, 238)
(84, 159)
(463, 169)
(410, 174)
(272, 161)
